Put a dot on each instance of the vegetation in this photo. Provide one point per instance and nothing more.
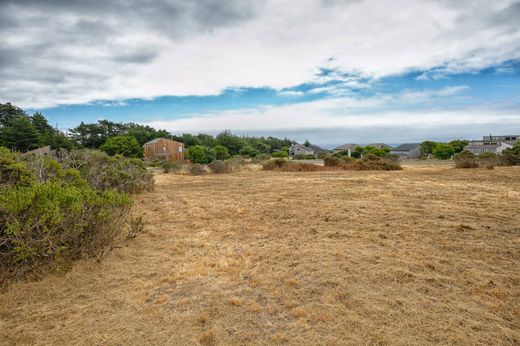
(512, 156)
(122, 145)
(50, 214)
(442, 151)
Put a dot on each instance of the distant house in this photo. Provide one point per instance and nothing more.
(379, 145)
(509, 139)
(487, 146)
(43, 151)
(164, 149)
(407, 150)
(311, 149)
(349, 147)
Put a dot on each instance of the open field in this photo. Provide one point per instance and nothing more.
(427, 255)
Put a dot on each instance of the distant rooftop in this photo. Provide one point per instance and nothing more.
(407, 146)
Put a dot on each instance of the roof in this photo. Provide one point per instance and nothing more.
(153, 141)
(407, 147)
(347, 146)
(379, 145)
(316, 148)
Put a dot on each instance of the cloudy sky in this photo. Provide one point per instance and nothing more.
(332, 71)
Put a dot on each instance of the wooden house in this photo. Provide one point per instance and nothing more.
(164, 149)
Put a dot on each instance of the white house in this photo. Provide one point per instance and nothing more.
(486, 146)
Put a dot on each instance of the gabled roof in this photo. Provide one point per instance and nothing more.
(407, 147)
(316, 148)
(379, 145)
(347, 146)
(153, 141)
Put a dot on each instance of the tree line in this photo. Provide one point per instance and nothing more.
(22, 132)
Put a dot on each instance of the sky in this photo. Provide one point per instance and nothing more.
(331, 71)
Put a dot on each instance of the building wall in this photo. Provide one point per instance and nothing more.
(300, 151)
(165, 149)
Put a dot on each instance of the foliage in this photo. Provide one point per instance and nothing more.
(512, 155)
(219, 167)
(122, 145)
(466, 159)
(443, 151)
(20, 135)
(489, 160)
(248, 150)
(51, 224)
(458, 145)
(281, 153)
(105, 172)
(231, 142)
(200, 154)
(304, 157)
(332, 161)
(221, 152)
(171, 166)
(197, 169)
(274, 164)
(427, 147)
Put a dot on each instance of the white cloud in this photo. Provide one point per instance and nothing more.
(278, 44)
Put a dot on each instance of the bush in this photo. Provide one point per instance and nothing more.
(371, 162)
(104, 172)
(489, 160)
(466, 159)
(50, 224)
(200, 154)
(332, 161)
(274, 164)
(443, 151)
(221, 153)
(248, 150)
(127, 146)
(197, 169)
(304, 157)
(512, 156)
(171, 166)
(219, 167)
(281, 153)
(302, 167)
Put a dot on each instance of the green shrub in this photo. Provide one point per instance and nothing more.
(371, 162)
(127, 146)
(489, 160)
(12, 171)
(466, 159)
(248, 150)
(51, 224)
(511, 156)
(281, 153)
(200, 154)
(221, 153)
(105, 172)
(304, 157)
(443, 151)
(219, 167)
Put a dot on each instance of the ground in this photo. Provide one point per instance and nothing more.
(427, 255)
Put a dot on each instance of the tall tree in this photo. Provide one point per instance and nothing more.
(21, 135)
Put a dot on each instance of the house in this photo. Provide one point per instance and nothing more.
(299, 149)
(43, 151)
(379, 145)
(164, 149)
(317, 149)
(407, 150)
(509, 139)
(487, 146)
(349, 147)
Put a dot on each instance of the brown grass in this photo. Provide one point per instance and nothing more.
(426, 255)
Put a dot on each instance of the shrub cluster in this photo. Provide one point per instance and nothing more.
(110, 172)
(219, 167)
(52, 216)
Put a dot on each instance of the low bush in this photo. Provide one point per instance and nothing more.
(281, 153)
(304, 157)
(49, 224)
(105, 172)
(511, 156)
(466, 159)
(302, 167)
(197, 169)
(171, 166)
(332, 161)
(489, 160)
(219, 167)
(274, 164)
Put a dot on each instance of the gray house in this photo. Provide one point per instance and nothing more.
(349, 147)
(311, 149)
(509, 139)
(299, 149)
(486, 146)
(407, 150)
(379, 145)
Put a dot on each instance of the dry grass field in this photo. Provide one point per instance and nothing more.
(427, 255)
